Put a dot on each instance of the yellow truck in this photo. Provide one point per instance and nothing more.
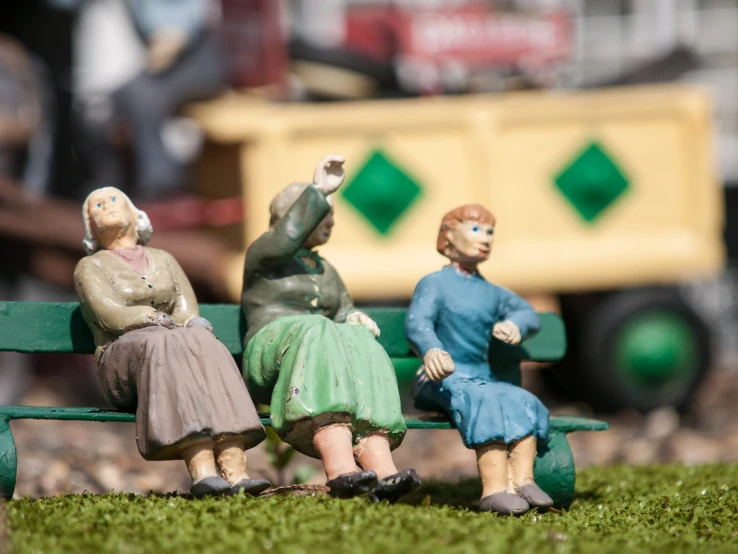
(606, 202)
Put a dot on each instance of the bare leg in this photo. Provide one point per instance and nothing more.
(200, 461)
(492, 461)
(231, 459)
(334, 445)
(373, 452)
(522, 457)
(492, 464)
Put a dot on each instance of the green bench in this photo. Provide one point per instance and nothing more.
(59, 328)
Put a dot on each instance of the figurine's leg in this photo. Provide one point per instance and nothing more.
(373, 452)
(492, 464)
(492, 461)
(200, 461)
(231, 460)
(522, 458)
(334, 446)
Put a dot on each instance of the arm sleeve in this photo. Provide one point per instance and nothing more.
(347, 304)
(280, 244)
(420, 323)
(185, 305)
(521, 313)
(101, 304)
(189, 16)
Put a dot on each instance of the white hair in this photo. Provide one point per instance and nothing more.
(143, 224)
(284, 199)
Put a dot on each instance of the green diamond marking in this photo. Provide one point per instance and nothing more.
(592, 182)
(381, 191)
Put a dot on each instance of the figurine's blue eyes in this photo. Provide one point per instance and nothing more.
(113, 199)
(99, 205)
(490, 232)
(475, 229)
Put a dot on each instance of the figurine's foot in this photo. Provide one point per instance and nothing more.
(393, 487)
(352, 484)
(504, 503)
(251, 486)
(210, 486)
(533, 494)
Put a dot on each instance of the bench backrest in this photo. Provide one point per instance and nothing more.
(59, 328)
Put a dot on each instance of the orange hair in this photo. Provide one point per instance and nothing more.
(468, 212)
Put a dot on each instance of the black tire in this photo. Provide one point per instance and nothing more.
(605, 381)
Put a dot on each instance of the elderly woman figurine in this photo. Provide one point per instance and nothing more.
(157, 356)
(312, 356)
(453, 316)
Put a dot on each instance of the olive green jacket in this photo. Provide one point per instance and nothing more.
(114, 298)
(282, 279)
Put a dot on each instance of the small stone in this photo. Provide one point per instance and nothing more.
(110, 477)
(661, 423)
(691, 448)
(641, 451)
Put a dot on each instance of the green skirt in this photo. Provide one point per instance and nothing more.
(315, 372)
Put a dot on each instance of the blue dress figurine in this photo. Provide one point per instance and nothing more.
(453, 316)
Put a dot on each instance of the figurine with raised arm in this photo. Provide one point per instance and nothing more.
(452, 318)
(312, 356)
(157, 356)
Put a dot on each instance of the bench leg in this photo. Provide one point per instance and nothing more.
(8, 460)
(554, 470)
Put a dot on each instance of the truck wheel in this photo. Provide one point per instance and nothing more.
(642, 349)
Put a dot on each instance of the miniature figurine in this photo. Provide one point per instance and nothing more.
(453, 315)
(157, 356)
(312, 356)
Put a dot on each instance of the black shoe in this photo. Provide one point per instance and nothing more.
(349, 485)
(393, 487)
(210, 486)
(251, 486)
(504, 503)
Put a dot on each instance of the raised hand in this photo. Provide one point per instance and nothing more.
(507, 331)
(329, 173)
(438, 364)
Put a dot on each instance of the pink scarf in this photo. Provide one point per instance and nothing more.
(134, 257)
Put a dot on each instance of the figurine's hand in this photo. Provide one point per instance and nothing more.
(164, 47)
(329, 173)
(163, 320)
(360, 318)
(507, 331)
(438, 364)
(197, 320)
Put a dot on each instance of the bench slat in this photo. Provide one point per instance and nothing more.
(564, 424)
(59, 328)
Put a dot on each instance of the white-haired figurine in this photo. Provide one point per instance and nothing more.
(157, 357)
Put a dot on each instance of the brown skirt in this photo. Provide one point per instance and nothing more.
(183, 385)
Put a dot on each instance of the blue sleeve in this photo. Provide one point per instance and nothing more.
(190, 16)
(420, 323)
(513, 308)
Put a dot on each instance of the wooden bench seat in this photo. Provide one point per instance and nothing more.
(41, 327)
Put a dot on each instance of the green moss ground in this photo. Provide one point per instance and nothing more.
(618, 509)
